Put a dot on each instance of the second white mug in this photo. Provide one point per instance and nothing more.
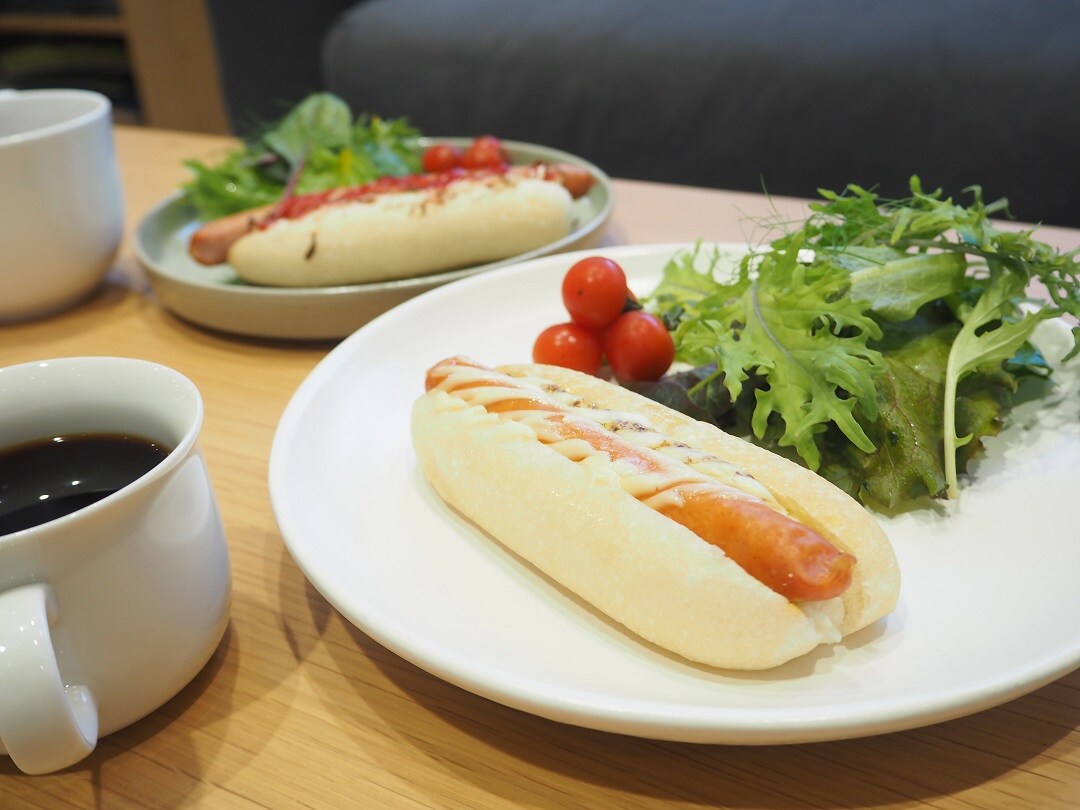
(61, 208)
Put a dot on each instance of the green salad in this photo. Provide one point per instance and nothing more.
(318, 145)
(878, 343)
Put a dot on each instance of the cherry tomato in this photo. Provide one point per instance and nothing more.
(638, 347)
(442, 157)
(486, 152)
(569, 345)
(594, 292)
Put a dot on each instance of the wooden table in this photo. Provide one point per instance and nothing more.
(299, 708)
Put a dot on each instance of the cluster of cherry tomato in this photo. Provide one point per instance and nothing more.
(485, 152)
(606, 323)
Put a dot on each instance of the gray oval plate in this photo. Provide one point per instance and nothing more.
(217, 298)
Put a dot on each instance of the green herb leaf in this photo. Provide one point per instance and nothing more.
(897, 288)
(980, 344)
(792, 325)
(317, 141)
(908, 464)
(321, 121)
(227, 188)
(689, 279)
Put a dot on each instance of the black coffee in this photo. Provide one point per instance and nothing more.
(43, 479)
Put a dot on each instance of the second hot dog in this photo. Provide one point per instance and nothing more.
(397, 227)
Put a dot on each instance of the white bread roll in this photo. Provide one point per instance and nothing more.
(577, 524)
(410, 233)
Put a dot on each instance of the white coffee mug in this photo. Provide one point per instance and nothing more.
(109, 611)
(61, 212)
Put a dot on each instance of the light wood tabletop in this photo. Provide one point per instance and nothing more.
(298, 708)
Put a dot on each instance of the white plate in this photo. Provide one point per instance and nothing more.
(217, 298)
(989, 609)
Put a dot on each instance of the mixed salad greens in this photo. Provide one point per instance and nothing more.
(879, 342)
(318, 145)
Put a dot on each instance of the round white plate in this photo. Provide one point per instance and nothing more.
(989, 609)
(217, 298)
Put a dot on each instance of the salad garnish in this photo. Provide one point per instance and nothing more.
(879, 342)
(317, 146)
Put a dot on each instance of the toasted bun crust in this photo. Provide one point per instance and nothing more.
(576, 523)
(406, 234)
(806, 496)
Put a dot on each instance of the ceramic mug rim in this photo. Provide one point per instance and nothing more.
(98, 105)
(179, 451)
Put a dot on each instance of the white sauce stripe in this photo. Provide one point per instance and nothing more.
(681, 467)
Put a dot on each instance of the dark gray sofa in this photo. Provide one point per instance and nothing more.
(785, 95)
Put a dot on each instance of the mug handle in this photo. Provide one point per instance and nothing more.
(44, 725)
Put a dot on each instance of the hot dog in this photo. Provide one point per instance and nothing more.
(397, 227)
(693, 539)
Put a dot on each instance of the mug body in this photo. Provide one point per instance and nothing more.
(140, 578)
(61, 210)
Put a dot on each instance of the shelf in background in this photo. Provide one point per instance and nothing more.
(169, 46)
(54, 24)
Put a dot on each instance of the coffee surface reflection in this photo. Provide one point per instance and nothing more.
(47, 478)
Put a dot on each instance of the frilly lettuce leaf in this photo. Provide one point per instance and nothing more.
(881, 339)
(898, 285)
(791, 325)
(909, 463)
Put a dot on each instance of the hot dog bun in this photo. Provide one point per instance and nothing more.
(806, 496)
(575, 521)
(393, 236)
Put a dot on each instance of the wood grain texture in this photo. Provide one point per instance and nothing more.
(298, 708)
